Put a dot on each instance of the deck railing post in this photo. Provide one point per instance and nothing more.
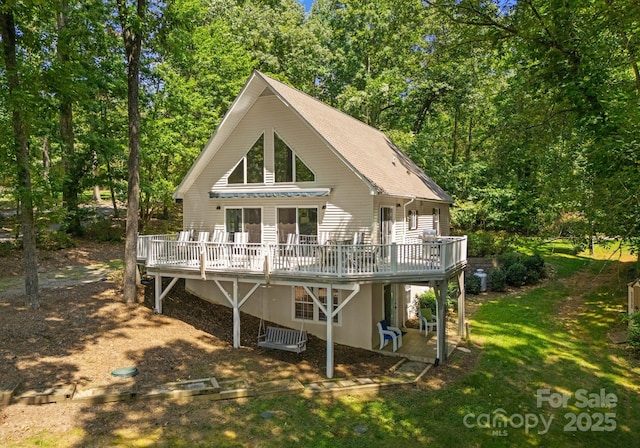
(151, 256)
(394, 258)
(339, 260)
(443, 256)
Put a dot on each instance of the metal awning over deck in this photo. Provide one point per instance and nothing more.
(270, 193)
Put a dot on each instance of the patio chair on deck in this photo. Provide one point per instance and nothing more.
(425, 316)
(219, 249)
(387, 333)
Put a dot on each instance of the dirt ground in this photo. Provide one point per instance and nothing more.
(82, 332)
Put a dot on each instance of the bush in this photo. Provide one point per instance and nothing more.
(55, 240)
(516, 275)
(472, 284)
(534, 268)
(497, 280)
(427, 300)
(633, 337)
(8, 247)
(483, 243)
(104, 230)
(534, 265)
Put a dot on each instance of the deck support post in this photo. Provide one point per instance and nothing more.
(330, 312)
(441, 320)
(236, 316)
(236, 304)
(329, 315)
(461, 304)
(159, 293)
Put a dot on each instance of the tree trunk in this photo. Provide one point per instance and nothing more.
(46, 159)
(133, 45)
(116, 213)
(454, 153)
(72, 170)
(21, 149)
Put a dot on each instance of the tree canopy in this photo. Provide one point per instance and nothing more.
(527, 112)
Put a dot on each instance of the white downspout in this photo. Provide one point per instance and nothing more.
(404, 220)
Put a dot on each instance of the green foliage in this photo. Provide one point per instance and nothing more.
(105, 229)
(516, 274)
(55, 240)
(633, 321)
(427, 300)
(497, 280)
(483, 243)
(7, 247)
(521, 269)
(472, 284)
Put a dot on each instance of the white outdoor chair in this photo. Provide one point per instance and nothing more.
(387, 333)
(427, 320)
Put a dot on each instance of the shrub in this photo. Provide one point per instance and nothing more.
(472, 284)
(497, 280)
(633, 320)
(484, 243)
(427, 300)
(8, 247)
(104, 230)
(535, 266)
(509, 258)
(55, 240)
(516, 275)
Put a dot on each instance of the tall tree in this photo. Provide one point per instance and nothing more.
(21, 150)
(132, 19)
(71, 182)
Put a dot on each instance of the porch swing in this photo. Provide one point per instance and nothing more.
(286, 339)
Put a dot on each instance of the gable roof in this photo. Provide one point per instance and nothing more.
(367, 151)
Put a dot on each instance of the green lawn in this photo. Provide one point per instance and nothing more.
(552, 337)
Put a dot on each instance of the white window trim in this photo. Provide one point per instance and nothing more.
(293, 168)
(231, 207)
(316, 309)
(298, 207)
(413, 219)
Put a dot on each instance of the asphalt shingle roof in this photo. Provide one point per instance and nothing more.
(367, 150)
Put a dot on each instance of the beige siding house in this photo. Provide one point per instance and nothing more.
(291, 202)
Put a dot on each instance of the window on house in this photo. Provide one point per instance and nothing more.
(306, 309)
(245, 220)
(413, 219)
(250, 169)
(436, 220)
(288, 166)
(298, 220)
(303, 304)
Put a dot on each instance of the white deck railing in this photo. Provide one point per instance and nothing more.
(337, 260)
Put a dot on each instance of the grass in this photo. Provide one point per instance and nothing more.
(552, 337)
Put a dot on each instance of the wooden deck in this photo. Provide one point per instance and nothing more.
(336, 262)
(418, 347)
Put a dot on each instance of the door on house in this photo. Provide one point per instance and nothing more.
(390, 305)
(386, 229)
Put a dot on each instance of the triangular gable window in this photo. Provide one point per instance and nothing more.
(250, 170)
(288, 166)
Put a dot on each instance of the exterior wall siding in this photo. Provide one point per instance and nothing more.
(350, 207)
(346, 210)
(275, 304)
